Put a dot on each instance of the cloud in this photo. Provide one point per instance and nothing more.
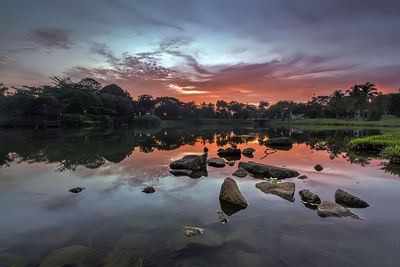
(51, 37)
(186, 90)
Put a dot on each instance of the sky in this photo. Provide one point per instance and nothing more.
(204, 50)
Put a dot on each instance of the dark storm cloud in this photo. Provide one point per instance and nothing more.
(51, 37)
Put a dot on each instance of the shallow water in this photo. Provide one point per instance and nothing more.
(125, 227)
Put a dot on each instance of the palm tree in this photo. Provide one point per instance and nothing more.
(336, 102)
(360, 95)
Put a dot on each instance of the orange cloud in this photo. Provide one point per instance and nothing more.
(3, 62)
(240, 90)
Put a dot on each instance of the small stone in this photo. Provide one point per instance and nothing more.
(216, 162)
(309, 197)
(248, 151)
(193, 231)
(240, 172)
(231, 163)
(318, 168)
(302, 177)
(149, 190)
(76, 189)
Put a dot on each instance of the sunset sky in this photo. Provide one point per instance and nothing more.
(204, 50)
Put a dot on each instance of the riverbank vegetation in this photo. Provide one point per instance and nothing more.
(88, 104)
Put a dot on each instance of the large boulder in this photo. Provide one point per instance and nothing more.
(284, 190)
(230, 151)
(216, 162)
(309, 197)
(268, 171)
(240, 172)
(190, 162)
(70, 256)
(349, 200)
(331, 209)
(279, 141)
(231, 193)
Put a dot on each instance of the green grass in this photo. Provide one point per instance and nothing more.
(390, 138)
(392, 122)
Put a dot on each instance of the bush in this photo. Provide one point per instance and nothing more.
(73, 120)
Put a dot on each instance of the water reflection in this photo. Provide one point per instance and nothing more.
(92, 149)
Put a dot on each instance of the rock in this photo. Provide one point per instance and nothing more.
(229, 208)
(216, 162)
(193, 231)
(181, 172)
(130, 250)
(230, 151)
(309, 197)
(248, 151)
(318, 168)
(191, 174)
(231, 163)
(284, 190)
(149, 190)
(349, 200)
(279, 141)
(230, 192)
(267, 170)
(328, 209)
(76, 189)
(221, 217)
(205, 149)
(240, 172)
(302, 177)
(190, 162)
(70, 256)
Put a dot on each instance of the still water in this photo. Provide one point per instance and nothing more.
(112, 223)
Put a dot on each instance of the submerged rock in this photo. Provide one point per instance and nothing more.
(216, 162)
(190, 162)
(149, 190)
(248, 151)
(240, 172)
(230, 151)
(231, 193)
(181, 172)
(279, 141)
(70, 256)
(193, 231)
(267, 170)
(329, 209)
(309, 197)
(284, 190)
(318, 168)
(349, 200)
(302, 177)
(76, 189)
(231, 163)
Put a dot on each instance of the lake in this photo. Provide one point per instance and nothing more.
(112, 223)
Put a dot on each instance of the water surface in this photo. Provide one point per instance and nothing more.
(115, 219)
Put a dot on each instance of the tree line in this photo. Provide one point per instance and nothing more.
(87, 101)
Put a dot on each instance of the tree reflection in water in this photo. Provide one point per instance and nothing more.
(92, 149)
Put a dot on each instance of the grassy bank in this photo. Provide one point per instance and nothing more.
(388, 144)
(392, 122)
